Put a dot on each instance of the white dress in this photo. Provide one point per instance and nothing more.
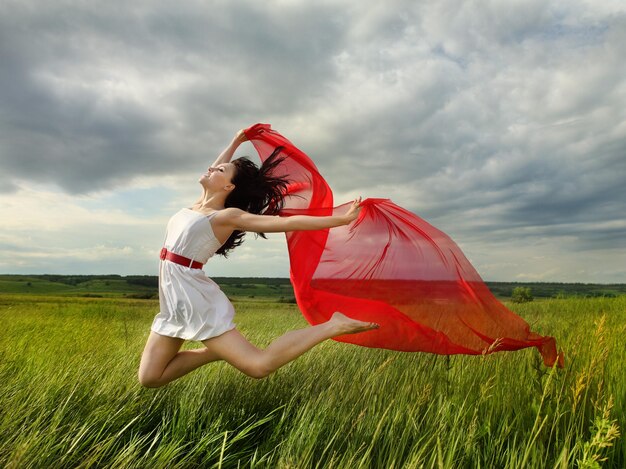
(192, 306)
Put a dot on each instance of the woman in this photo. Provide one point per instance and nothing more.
(192, 305)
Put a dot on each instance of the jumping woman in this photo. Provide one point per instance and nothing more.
(237, 197)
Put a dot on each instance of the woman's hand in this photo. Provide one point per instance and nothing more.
(230, 150)
(353, 213)
(240, 137)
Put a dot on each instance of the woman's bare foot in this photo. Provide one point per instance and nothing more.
(345, 325)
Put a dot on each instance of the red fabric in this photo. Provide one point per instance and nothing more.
(393, 268)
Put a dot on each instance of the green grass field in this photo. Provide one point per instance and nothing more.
(69, 396)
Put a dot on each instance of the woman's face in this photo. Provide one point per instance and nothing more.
(219, 177)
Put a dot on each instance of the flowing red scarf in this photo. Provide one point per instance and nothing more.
(390, 267)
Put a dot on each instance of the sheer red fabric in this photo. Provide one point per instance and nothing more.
(390, 267)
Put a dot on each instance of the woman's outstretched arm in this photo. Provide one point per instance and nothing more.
(244, 221)
(229, 151)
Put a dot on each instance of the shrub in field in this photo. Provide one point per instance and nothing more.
(290, 300)
(521, 295)
(143, 296)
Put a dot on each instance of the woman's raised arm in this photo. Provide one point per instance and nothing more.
(229, 151)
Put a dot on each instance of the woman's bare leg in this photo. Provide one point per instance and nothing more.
(236, 350)
(162, 362)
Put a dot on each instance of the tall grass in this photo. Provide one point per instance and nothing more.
(69, 396)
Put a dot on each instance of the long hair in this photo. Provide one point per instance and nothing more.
(256, 191)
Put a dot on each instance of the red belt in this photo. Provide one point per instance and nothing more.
(176, 259)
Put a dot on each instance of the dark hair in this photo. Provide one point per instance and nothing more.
(257, 190)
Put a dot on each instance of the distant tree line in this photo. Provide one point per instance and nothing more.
(74, 279)
(151, 281)
(558, 290)
(147, 285)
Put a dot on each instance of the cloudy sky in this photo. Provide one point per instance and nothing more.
(503, 123)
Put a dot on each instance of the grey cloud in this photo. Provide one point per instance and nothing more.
(530, 123)
(511, 112)
(7, 187)
(64, 122)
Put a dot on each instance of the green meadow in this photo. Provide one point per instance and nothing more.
(69, 395)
